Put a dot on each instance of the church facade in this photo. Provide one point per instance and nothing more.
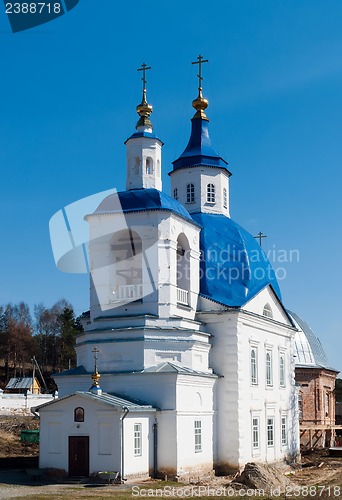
(192, 342)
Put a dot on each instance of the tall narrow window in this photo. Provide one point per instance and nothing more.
(210, 193)
(269, 368)
(137, 440)
(175, 194)
(327, 404)
(225, 200)
(149, 166)
(79, 414)
(254, 370)
(255, 433)
(282, 370)
(283, 431)
(198, 436)
(300, 407)
(270, 431)
(190, 193)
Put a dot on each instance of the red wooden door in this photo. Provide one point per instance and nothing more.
(79, 456)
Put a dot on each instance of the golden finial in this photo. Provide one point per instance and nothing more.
(144, 109)
(200, 103)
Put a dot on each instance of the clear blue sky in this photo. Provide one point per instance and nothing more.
(274, 80)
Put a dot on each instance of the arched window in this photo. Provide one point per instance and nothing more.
(282, 370)
(210, 193)
(225, 199)
(268, 368)
(137, 165)
(175, 194)
(79, 414)
(267, 311)
(190, 193)
(327, 404)
(125, 266)
(158, 168)
(149, 166)
(254, 373)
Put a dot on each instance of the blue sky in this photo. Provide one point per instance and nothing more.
(274, 79)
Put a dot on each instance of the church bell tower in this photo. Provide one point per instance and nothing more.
(144, 148)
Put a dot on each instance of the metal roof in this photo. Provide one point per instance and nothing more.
(113, 400)
(199, 150)
(20, 383)
(308, 348)
(168, 367)
(142, 200)
(234, 268)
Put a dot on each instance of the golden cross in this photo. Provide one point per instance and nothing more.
(200, 61)
(259, 237)
(144, 68)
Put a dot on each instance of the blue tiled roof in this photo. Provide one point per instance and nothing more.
(199, 150)
(234, 268)
(141, 200)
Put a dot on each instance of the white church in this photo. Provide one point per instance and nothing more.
(194, 366)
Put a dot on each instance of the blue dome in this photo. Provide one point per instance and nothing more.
(141, 200)
(199, 150)
(234, 268)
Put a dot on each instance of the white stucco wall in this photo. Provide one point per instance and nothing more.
(15, 404)
(237, 400)
(102, 424)
(200, 177)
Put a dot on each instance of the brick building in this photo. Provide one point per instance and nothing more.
(316, 384)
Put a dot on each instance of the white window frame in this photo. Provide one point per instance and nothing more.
(283, 430)
(255, 433)
(211, 195)
(137, 431)
(175, 194)
(270, 431)
(198, 436)
(190, 193)
(254, 365)
(282, 370)
(269, 368)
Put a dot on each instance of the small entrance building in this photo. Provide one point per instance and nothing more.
(85, 433)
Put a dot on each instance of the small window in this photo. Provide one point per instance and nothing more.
(269, 381)
(198, 436)
(255, 432)
(137, 440)
(267, 311)
(225, 199)
(283, 431)
(282, 370)
(79, 414)
(190, 193)
(270, 431)
(210, 193)
(254, 371)
(175, 194)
